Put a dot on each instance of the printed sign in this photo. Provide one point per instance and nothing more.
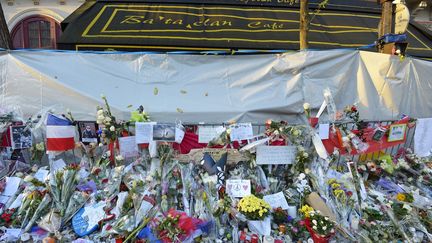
(238, 187)
(241, 131)
(275, 155)
(208, 133)
(277, 200)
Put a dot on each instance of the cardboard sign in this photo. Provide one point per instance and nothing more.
(196, 155)
(208, 133)
(241, 131)
(275, 155)
(128, 147)
(277, 200)
(238, 187)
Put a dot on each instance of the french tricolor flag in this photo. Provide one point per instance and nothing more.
(60, 134)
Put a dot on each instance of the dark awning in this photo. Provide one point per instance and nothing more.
(225, 25)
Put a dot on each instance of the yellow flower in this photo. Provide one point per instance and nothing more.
(306, 209)
(335, 185)
(400, 197)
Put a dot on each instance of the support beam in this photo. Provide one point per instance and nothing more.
(386, 17)
(304, 24)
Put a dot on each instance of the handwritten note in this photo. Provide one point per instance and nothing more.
(128, 147)
(144, 132)
(41, 175)
(12, 184)
(324, 130)
(179, 133)
(423, 137)
(277, 200)
(58, 165)
(238, 188)
(275, 155)
(208, 133)
(241, 131)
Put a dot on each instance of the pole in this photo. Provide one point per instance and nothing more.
(386, 17)
(304, 24)
(5, 38)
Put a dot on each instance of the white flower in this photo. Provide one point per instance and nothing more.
(306, 106)
(100, 112)
(28, 178)
(276, 132)
(19, 174)
(112, 128)
(324, 227)
(302, 176)
(101, 118)
(307, 171)
(407, 207)
(103, 96)
(100, 144)
(305, 154)
(326, 218)
(107, 119)
(314, 222)
(119, 157)
(314, 227)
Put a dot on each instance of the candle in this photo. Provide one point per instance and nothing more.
(292, 211)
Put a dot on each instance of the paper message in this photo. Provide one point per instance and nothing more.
(17, 202)
(238, 188)
(11, 234)
(324, 130)
(277, 200)
(144, 132)
(41, 174)
(275, 155)
(179, 133)
(58, 165)
(423, 137)
(12, 184)
(128, 147)
(208, 133)
(241, 131)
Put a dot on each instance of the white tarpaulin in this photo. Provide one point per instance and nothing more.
(216, 89)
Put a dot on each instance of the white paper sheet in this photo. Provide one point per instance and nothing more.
(12, 184)
(277, 200)
(238, 187)
(128, 147)
(144, 132)
(208, 133)
(17, 202)
(179, 133)
(241, 131)
(324, 130)
(41, 174)
(275, 155)
(423, 137)
(58, 165)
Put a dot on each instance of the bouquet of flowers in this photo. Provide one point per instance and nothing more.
(253, 208)
(176, 226)
(62, 185)
(320, 227)
(256, 211)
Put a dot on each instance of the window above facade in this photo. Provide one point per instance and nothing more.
(36, 32)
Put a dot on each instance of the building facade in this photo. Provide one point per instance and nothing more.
(36, 23)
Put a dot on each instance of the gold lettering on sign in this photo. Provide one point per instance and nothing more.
(212, 23)
(136, 19)
(261, 25)
(132, 19)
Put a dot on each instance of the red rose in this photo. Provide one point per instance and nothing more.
(353, 108)
(105, 180)
(349, 193)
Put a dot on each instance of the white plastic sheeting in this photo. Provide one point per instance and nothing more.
(216, 89)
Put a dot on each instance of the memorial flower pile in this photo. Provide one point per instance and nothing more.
(285, 184)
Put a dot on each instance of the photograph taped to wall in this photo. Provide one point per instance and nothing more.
(21, 137)
(88, 132)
